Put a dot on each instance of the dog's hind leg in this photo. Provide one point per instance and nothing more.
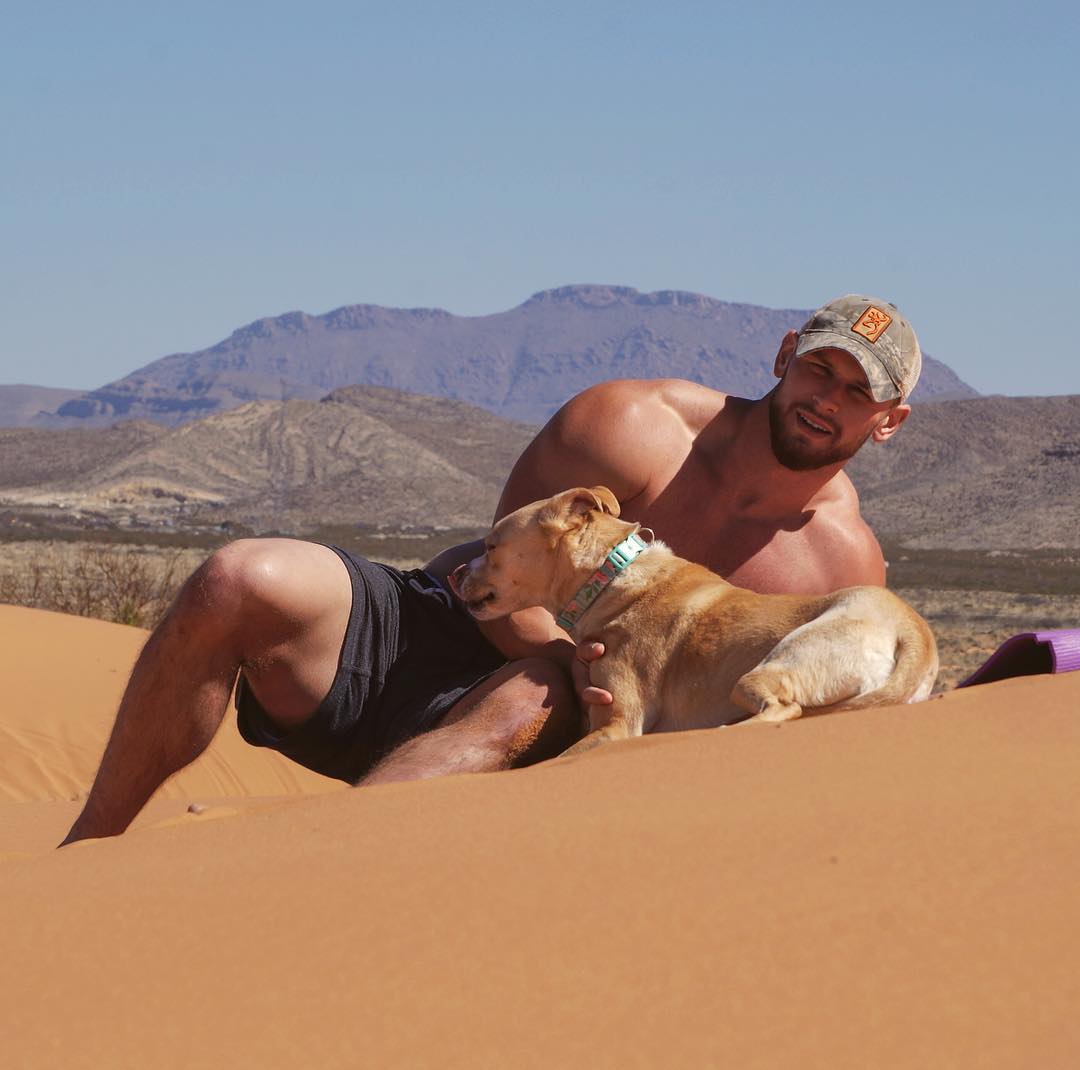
(767, 693)
(835, 661)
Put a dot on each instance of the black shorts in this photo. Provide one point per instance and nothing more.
(410, 652)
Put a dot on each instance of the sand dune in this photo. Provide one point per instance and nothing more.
(887, 888)
(63, 677)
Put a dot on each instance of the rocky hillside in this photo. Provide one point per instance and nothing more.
(362, 455)
(978, 474)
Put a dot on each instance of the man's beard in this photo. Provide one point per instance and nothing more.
(794, 452)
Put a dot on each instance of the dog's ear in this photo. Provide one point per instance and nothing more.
(573, 507)
(606, 501)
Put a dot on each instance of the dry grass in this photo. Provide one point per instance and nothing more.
(971, 625)
(125, 584)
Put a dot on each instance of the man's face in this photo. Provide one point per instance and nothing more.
(823, 411)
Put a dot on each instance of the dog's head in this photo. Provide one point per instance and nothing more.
(535, 556)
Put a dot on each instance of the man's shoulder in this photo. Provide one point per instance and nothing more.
(620, 433)
(679, 393)
(644, 404)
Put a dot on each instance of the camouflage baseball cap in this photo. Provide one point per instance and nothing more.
(875, 334)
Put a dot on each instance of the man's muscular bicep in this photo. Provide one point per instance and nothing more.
(870, 565)
(855, 559)
(588, 442)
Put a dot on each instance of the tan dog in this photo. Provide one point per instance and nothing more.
(685, 648)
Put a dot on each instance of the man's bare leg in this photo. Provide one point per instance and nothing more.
(521, 714)
(277, 607)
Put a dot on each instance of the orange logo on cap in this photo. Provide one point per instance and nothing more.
(871, 323)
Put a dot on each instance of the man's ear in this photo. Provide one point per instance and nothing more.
(785, 354)
(891, 424)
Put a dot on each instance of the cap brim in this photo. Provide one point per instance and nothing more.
(882, 388)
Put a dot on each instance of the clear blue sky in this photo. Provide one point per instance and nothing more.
(170, 172)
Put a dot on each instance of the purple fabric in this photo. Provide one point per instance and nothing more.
(1028, 654)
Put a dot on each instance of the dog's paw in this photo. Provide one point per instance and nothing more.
(590, 742)
(610, 733)
(777, 712)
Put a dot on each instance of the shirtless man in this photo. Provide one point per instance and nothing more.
(375, 676)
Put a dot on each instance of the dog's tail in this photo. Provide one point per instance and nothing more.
(912, 678)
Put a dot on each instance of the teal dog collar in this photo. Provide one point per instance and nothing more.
(614, 563)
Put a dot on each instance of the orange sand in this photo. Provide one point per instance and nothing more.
(875, 889)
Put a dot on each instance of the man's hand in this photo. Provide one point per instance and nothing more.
(588, 695)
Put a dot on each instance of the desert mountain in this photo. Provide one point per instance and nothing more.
(19, 404)
(983, 473)
(521, 364)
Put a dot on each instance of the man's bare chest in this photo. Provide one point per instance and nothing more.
(779, 557)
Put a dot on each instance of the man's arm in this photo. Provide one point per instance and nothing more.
(589, 442)
(849, 553)
(528, 633)
(594, 439)
(864, 563)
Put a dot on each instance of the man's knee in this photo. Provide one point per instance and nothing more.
(266, 589)
(229, 578)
